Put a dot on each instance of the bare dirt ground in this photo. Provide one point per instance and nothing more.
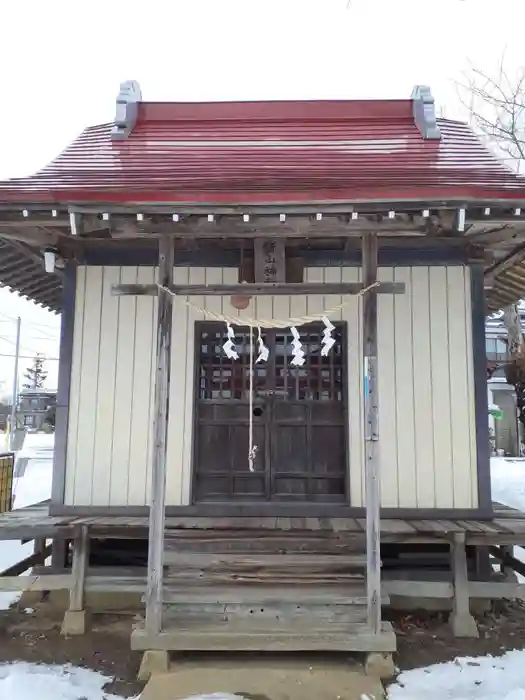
(36, 638)
(422, 639)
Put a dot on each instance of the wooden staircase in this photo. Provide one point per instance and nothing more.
(264, 590)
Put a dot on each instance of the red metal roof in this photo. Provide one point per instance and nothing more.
(264, 152)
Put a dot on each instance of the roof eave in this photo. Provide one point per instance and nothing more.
(104, 201)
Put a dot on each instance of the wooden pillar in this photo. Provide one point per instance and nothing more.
(39, 548)
(461, 620)
(371, 435)
(59, 551)
(160, 433)
(75, 617)
(505, 569)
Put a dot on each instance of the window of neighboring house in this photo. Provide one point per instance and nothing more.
(496, 348)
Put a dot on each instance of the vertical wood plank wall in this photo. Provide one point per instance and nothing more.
(427, 425)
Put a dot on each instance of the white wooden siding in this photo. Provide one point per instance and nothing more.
(427, 424)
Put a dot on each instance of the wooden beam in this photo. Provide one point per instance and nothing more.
(249, 289)
(371, 436)
(379, 206)
(230, 635)
(507, 560)
(47, 582)
(496, 590)
(418, 589)
(28, 222)
(516, 255)
(38, 557)
(258, 227)
(445, 589)
(160, 441)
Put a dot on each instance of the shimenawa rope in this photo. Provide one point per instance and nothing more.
(264, 323)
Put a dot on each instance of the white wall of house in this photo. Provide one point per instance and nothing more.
(506, 430)
(426, 384)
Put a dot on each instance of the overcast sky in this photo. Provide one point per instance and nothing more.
(62, 66)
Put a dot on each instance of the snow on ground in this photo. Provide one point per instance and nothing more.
(508, 481)
(482, 678)
(33, 485)
(21, 681)
(507, 476)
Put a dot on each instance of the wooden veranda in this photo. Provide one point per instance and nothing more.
(206, 577)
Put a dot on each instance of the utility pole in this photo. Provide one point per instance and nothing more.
(15, 384)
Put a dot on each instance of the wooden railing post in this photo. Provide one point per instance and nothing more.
(160, 433)
(371, 435)
(462, 622)
(75, 617)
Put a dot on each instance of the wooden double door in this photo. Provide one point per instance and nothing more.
(299, 418)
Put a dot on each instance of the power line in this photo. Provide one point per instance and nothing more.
(47, 337)
(30, 357)
(12, 342)
(40, 327)
(12, 319)
(50, 338)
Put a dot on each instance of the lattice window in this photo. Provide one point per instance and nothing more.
(222, 378)
(320, 378)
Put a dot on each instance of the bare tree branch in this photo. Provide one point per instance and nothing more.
(496, 105)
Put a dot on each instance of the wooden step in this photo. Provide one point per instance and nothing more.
(263, 568)
(264, 541)
(184, 578)
(249, 635)
(306, 605)
(326, 562)
(252, 594)
(174, 525)
(308, 615)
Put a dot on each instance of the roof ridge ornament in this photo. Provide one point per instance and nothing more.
(126, 110)
(424, 111)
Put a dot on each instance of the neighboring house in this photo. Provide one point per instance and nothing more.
(507, 432)
(34, 407)
(5, 412)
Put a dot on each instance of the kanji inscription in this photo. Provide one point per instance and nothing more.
(270, 260)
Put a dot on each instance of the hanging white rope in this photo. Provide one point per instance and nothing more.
(229, 345)
(268, 322)
(263, 350)
(292, 323)
(252, 449)
(328, 342)
(297, 349)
